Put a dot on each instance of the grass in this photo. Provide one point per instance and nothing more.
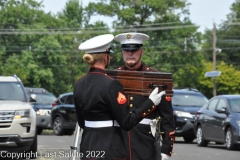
(47, 131)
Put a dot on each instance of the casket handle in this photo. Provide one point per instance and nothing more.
(163, 86)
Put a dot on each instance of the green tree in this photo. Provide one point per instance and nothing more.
(173, 37)
(130, 12)
(227, 60)
(77, 22)
(227, 38)
(227, 83)
(32, 47)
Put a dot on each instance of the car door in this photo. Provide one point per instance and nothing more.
(207, 119)
(219, 120)
(70, 109)
(61, 107)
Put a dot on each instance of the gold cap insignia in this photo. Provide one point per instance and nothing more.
(129, 36)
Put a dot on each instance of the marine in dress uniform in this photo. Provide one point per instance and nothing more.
(102, 107)
(139, 140)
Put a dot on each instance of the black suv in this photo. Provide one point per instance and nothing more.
(185, 103)
(42, 106)
(63, 115)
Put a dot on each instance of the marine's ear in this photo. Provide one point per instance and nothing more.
(142, 51)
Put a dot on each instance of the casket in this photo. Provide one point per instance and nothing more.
(143, 82)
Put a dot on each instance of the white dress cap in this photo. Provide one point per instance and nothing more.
(98, 44)
(131, 38)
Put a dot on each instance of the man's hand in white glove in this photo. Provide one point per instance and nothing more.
(164, 156)
(155, 96)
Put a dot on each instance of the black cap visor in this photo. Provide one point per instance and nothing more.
(131, 47)
(110, 51)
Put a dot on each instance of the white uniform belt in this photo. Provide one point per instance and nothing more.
(146, 121)
(100, 124)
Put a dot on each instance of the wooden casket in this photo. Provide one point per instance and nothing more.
(142, 83)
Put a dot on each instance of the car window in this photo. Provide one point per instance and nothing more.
(188, 100)
(212, 104)
(45, 98)
(12, 91)
(235, 105)
(221, 104)
(69, 99)
(62, 99)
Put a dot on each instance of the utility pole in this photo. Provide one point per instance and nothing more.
(214, 59)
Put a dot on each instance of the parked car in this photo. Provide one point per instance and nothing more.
(63, 115)
(42, 106)
(219, 121)
(17, 120)
(185, 103)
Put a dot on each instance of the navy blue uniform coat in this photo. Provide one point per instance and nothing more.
(98, 97)
(139, 141)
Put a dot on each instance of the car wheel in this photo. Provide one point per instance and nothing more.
(200, 140)
(57, 127)
(39, 130)
(188, 139)
(229, 140)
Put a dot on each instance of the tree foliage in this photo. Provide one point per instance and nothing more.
(42, 48)
(32, 50)
(173, 36)
(132, 12)
(227, 82)
(227, 51)
(227, 38)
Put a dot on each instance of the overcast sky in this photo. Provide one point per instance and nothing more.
(202, 12)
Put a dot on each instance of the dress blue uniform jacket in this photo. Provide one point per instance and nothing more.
(139, 141)
(98, 97)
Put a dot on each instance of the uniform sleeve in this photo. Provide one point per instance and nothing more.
(78, 108)
(167, 125)
(118, 105)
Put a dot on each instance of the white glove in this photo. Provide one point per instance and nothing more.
(164, 156)
(155, 96)
(153, 125)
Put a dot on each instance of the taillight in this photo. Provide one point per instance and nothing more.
(54, 104)
(195, 116)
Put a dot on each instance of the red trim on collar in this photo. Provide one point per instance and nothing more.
(140, 68)
(96, 70)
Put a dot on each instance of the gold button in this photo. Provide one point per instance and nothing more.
(150, 132)
(153, 107)
(149, 110)
(119, 68)
(147, 68)
(130, 112)
(131, 105)
(144, 114)
(171, 138)
(131, 98)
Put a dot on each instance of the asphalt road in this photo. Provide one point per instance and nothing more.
(51, 147)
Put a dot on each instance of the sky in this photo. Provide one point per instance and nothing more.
(202, 12)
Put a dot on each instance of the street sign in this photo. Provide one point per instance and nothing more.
(212, 74)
